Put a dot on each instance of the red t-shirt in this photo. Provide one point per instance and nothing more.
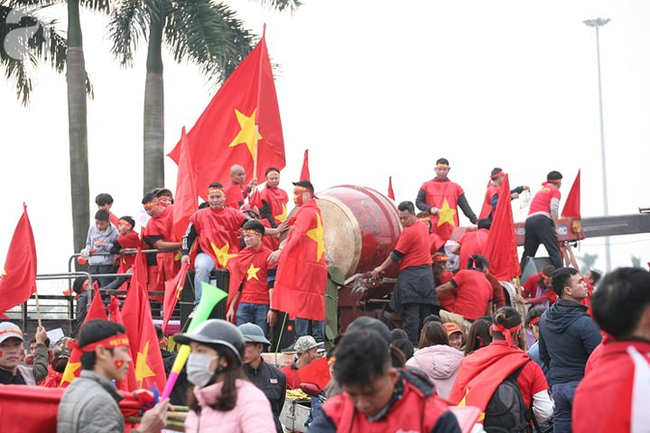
(293, 379)
(473, 293)
(542, 200)
(414, 243)
(277, 199)
(446, 300)
(472, 243)
(255, 288)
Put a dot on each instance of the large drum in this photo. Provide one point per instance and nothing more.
(361, 227)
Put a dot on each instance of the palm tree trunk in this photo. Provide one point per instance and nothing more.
(154, 112)
(77, 127)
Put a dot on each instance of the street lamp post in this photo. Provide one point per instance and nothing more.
(596, 24)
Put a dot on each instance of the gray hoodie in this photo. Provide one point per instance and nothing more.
(108, 236)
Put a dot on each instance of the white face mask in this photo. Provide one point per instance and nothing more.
(198, 369)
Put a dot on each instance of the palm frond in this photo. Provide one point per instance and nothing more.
(210, 36)
(27, 41)
(129, 23)
(281, 5)
(96, 5)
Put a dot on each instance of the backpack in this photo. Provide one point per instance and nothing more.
(506, 410)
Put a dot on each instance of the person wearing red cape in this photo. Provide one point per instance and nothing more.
(482, 372)
(274, 199)
(302, 272)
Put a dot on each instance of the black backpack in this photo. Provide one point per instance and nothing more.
(506, 410)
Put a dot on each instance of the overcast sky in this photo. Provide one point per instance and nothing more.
(373, 89)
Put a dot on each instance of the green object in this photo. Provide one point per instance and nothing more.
(210, 297)
(335, 279)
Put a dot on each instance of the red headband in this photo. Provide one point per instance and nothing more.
(442, 165)
(215, 191)
(441, 258)
(553, 180)
(109, 343)
(126, 222)
(507, 332)
(151, 204)
(501, 173)
(535, 321)
(544, 276)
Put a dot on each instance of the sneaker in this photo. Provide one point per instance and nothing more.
(289, 349)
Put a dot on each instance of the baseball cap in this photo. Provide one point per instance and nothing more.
(305, 184)
(452, 328)
(253, 334)
(9, 330)
(305, 343)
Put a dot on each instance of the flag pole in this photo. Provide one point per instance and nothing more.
(38, 310)
(259, 91)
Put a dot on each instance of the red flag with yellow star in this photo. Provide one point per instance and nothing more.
(302, 272)
(572, 205)
(136, 314)
(173, 290)
(95, 312)
(114, 315)
(18, 278)
(242, 115)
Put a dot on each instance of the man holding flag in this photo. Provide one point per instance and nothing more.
(302, 272)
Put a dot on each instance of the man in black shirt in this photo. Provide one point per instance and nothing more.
(266, 377)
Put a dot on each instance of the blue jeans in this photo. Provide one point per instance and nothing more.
(563, 396)
(317, 328)
(253, 313)
(203, 266)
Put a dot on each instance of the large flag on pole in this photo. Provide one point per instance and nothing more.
(173, 290)
(501, 247)
(187, 192)
(136, 315)
(18, 278)
(244, 111)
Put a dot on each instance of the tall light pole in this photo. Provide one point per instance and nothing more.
(596, 24)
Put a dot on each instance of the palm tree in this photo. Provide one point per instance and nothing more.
(27, 41)
(206, 33)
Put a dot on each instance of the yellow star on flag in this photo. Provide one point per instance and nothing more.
(4, 271)
(283, 215)
(142, 370)
(222, 253)
(69, 372)
(446, 214)
(247, 133)
(252, 273)
(316, 234)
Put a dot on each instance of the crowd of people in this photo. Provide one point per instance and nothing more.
(539, 359)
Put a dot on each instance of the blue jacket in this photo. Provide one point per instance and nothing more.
(567, 336)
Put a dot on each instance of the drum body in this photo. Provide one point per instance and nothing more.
(361, 227)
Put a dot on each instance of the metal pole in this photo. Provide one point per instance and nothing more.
(596, 24)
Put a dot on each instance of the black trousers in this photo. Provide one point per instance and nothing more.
(413, 317)
(541, 230)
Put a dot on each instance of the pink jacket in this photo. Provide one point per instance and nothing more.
(251, 414)
(440, 363)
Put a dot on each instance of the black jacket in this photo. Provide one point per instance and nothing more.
(567, 336)
(273, 383)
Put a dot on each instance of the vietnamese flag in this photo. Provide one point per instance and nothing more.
(304, 172)
(95, 312)
(115, 316)
(572, 205)
(173, 290)
(302, 272)
(243, 115)
(18, 278)
(391, 193)
(501, 247)
(186, 189)
(136, 314)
